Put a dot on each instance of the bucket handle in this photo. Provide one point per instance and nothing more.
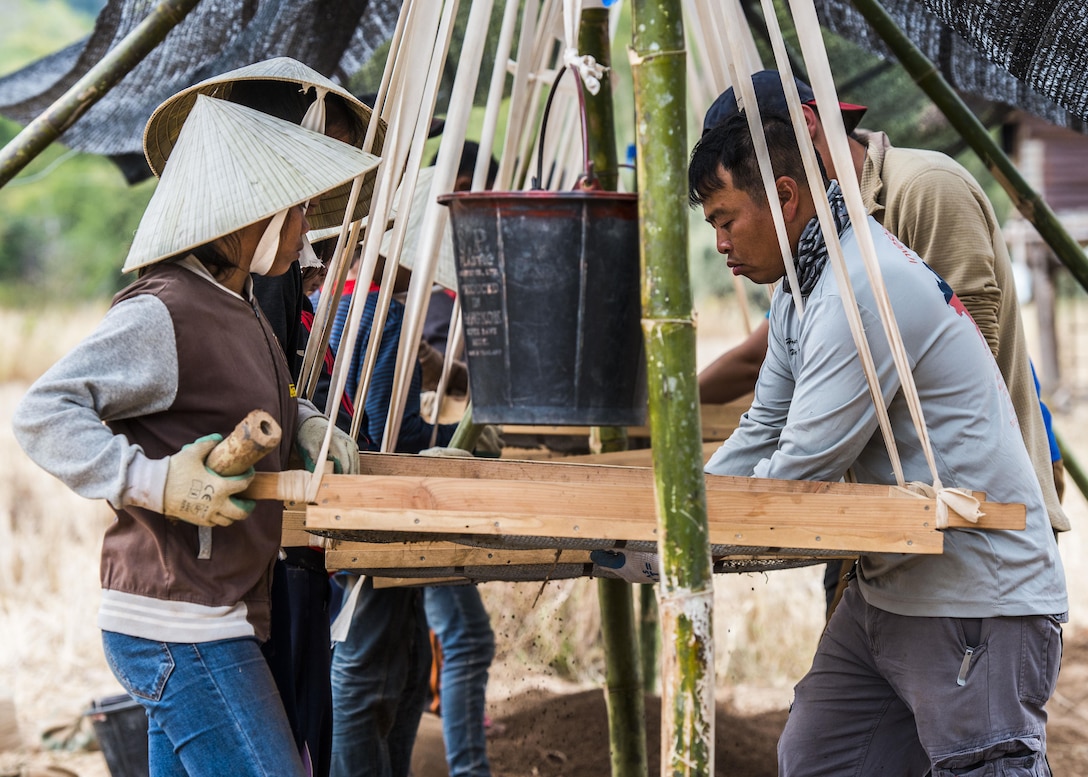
(587, 180)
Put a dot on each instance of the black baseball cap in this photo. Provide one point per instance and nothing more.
(772, 99)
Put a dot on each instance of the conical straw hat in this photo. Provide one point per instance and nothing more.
(231, 167)
(161, 132)
(445, 273)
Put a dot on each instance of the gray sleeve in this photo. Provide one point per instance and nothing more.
(127, 367)
(831, 417)
(757, 435)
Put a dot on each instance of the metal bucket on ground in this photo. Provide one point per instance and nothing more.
(120, 725)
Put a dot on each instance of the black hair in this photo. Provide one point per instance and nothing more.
(467, 166)
(287, 100)
(729, 146)
(325, 249)
(213, 257)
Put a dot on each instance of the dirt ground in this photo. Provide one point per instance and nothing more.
(556, 732)
(548, 734)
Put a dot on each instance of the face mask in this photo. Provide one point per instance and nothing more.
(265, 255)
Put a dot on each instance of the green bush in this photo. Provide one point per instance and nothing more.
(67, 222)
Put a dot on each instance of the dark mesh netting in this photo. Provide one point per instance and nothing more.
(1027, 55)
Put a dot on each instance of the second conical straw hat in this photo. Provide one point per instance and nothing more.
(161, 132)
(445, 273)
(233, 166)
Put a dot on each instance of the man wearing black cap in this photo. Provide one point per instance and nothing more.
(941, 662)
(935, 207)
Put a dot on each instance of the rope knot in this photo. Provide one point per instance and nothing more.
(589, 70)
(949, 500)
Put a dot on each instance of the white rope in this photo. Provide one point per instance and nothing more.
(424, 107)
(540, 78)
(728, 17)
(419, 33)
(831, 238)
(454, 340)
(494, 96)
(741, 76)
(349, 233)
(519, 94)
(586, 66)
(318, 341)
(700, 26)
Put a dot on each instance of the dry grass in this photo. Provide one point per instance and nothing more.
(31, 340)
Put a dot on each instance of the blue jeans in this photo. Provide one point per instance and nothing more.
(212, 707)
(379, 683)
(460, 622)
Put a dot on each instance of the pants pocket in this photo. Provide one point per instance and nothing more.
(142, 666)
(1040, 657)
(1016, 757)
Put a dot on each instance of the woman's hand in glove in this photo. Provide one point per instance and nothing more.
(198, 495)
(343, 450)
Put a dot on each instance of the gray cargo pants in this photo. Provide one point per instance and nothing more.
(896, 695)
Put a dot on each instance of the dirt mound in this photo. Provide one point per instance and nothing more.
(544, 734)
(551, 733)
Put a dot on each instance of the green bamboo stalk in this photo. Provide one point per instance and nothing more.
(686, 590)
(1072, 466)
(623, 682)
(649, 636)
(1026, 199)
(467, 433)
(62, 114)
(626, 705)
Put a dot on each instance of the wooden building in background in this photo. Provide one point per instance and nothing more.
(1054, 160)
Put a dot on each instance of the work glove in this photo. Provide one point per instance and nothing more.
(489, 444)
(449, 453)
(199, 496)
(343, 450)
(630, 565)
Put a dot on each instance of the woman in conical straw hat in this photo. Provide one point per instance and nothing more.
(181, 357)
(299, 649)
(292, 91)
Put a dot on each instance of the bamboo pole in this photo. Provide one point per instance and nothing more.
(62, 114)
(467, 433)
(415, 306)
(1026, 199)
(1072, 466)
(686, 592)
(623, 683)
(436, 216)
(649, 636)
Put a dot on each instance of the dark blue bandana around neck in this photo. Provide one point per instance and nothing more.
(812, 248)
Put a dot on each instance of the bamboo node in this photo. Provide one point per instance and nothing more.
(637, 59)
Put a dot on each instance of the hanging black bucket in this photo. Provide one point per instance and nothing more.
(549, 289)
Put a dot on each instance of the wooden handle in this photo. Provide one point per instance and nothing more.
(253, 437)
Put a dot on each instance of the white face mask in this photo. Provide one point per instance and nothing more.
(268, 246)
